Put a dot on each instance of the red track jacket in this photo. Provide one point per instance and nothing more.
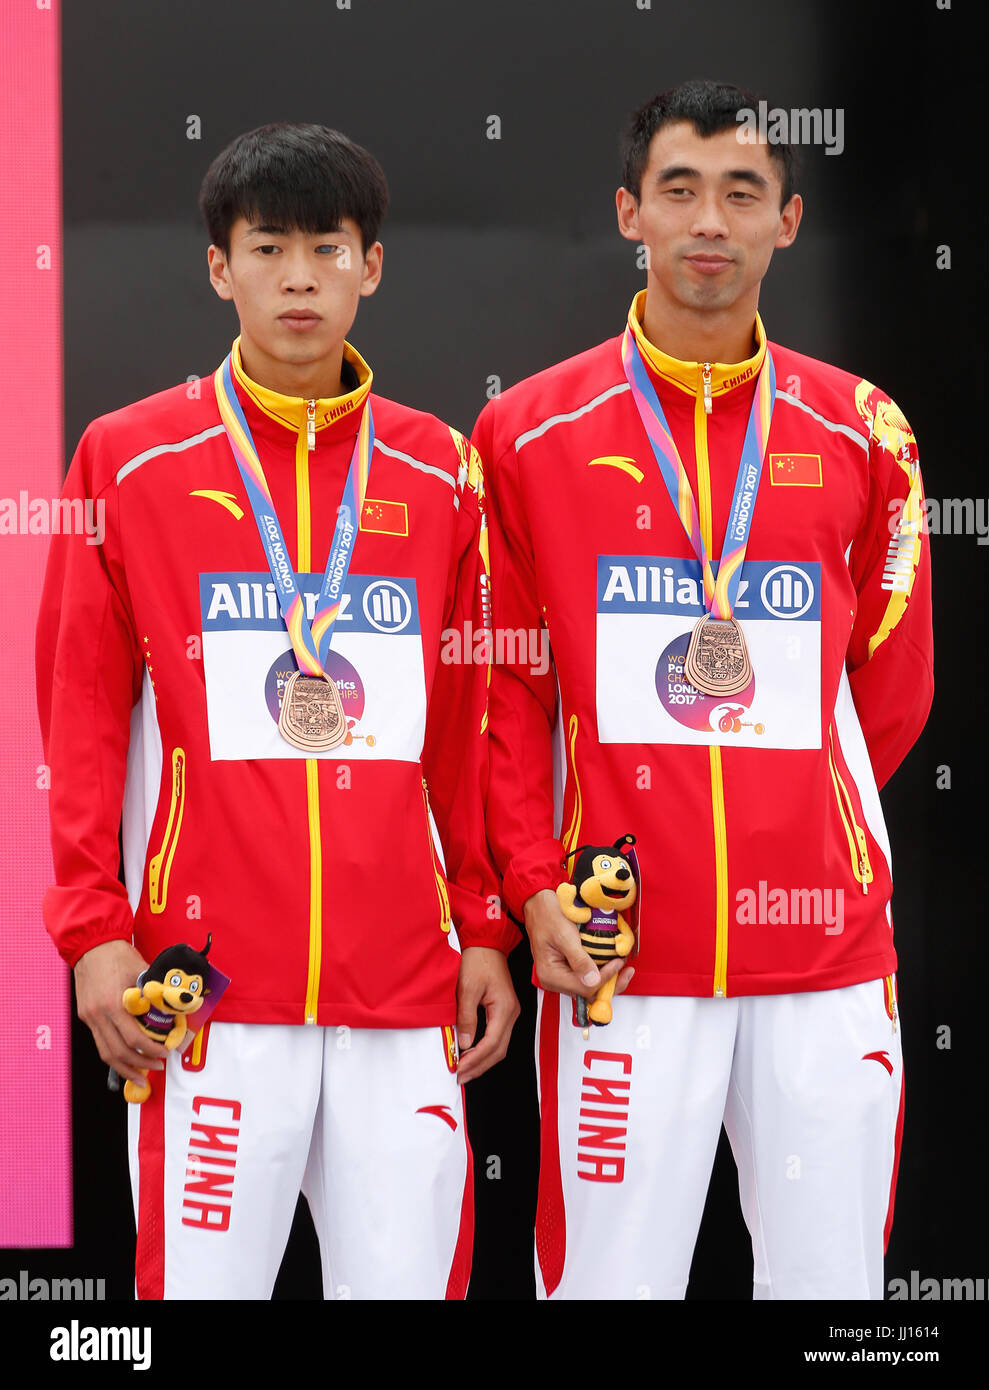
(161, 654)
(764, 857)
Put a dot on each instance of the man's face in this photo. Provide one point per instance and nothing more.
(709, 214)
(296, 293)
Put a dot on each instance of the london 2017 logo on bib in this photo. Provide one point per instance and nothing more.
(647, 607)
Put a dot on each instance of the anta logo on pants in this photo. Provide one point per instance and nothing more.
(213, 1138)
(603, 1116)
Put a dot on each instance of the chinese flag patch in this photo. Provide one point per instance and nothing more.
(795, 470)
(387, 518)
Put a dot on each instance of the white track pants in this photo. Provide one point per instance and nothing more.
(368, 1123)
(809, 1089)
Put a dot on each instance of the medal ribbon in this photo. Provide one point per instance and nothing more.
(310, 641)
(720, 593)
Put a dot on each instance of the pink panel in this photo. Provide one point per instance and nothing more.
(35, 1120)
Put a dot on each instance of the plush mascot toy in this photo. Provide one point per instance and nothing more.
(172, 987)
(605, 885)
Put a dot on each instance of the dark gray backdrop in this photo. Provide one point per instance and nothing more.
(502, 257)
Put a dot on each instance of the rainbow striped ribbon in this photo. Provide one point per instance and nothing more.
(310, 641)
(719, 593)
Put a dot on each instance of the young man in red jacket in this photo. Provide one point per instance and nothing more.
(722, 539)
(248, 672)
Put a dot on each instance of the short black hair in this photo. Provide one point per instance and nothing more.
(709, 107)
(300, 177)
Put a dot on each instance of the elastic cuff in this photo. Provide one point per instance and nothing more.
(504, 938)
(541, 866)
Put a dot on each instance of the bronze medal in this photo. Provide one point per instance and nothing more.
(312, 716)
(717, 658)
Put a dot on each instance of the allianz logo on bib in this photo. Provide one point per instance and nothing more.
(769, 590)
(387, 606)
(247, 601)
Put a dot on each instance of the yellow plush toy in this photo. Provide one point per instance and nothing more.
(172, 987)
(605, 885)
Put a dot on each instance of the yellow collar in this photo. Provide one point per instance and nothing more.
(687, 375)
(290, 411)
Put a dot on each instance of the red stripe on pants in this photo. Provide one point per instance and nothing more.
(456, 1287)
(150, 1259)
(896, 1162)
(551, 1220)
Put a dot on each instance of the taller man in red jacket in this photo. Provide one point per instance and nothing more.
(723, 541)
(248, 670)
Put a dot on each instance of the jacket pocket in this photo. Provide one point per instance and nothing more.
(858, 848)
(160, 866)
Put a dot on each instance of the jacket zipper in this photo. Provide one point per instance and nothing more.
(858, 848)
(315, 892)
(720, 873)
(306, 441)
(702, 409)
(441, 889)
(161, 865)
